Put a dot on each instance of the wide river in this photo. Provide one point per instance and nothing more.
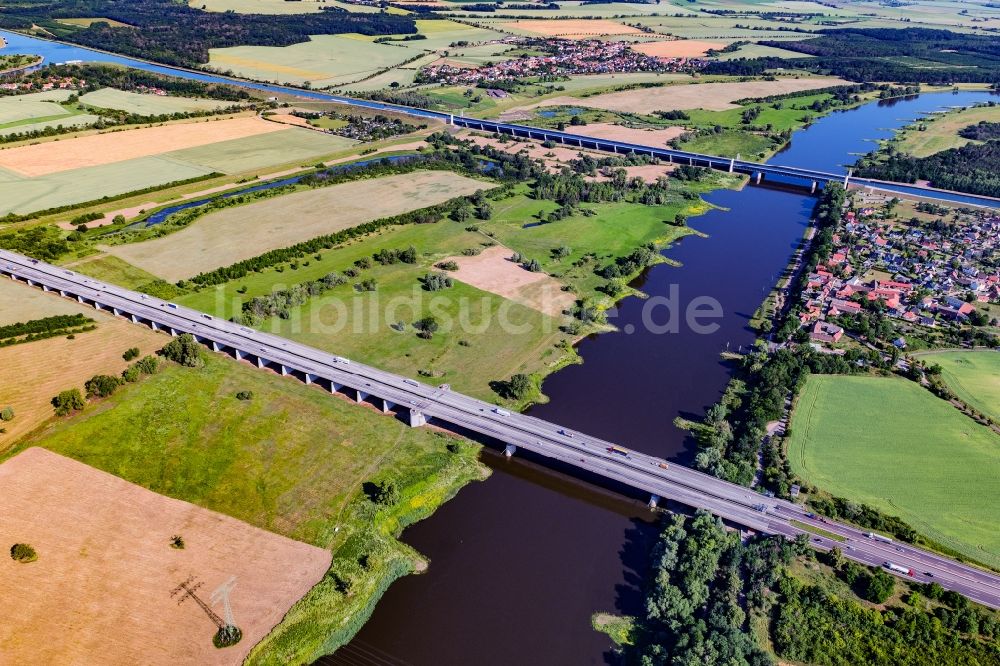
(519, 563)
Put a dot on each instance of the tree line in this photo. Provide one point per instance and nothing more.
(970, 168)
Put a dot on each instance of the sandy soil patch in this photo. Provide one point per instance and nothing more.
(646, 137)
(33, 372)
(493, 271)
(573, 28)
(100, 589)
(98, 149)
(233, 234)
(648, 172)
(554, 158)
(676, 48)
(710, 96)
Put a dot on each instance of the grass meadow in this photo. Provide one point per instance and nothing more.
(974, 376)
(889, 443)
(292, 460)
(941, 131)
(147, 105)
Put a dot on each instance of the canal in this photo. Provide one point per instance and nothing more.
(520, 562)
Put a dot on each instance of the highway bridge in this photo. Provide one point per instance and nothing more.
(420, 403)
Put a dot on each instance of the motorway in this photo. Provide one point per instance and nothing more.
(641, 472)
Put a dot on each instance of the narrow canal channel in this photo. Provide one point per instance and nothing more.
(519, 563)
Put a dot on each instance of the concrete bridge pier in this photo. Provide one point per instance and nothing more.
(653, 501)
(216, 346)
(153, 325)
(732, 164)
(284, 370)
(334, 386)
(309, 379)
(812, 190)
(79, 299)
(173, 333)
(359, 395)
(387, 406)
(759, 177)
(239, 355)
(417, 418)
(510, 450)
(850, 172)
(135, 320)
(261, 362)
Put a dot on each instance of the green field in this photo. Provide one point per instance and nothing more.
(325, 60)
(32, 107)
(147, 105)
(974, 376)
(24, 195)
(889, 443)
(292, 460)
(294, 146)
(941, 131)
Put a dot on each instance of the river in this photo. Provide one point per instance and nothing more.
(520, 562)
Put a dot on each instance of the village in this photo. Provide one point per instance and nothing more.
(939, 269)
(563, 57)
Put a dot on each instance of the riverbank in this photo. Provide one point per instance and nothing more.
(345, 478)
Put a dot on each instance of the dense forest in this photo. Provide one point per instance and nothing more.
(971, 168)
(174, 33)
(915, 55)
(981, 131)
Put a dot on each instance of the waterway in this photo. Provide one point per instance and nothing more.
(520, 562)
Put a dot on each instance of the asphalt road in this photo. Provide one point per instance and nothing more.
(640, 471)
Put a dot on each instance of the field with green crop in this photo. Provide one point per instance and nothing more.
(226, 236)
(974, 376)
(145, 104)
(293, 146)
(291, 460)
(19, 194)
(33, 107)
(325, 60)
(889, 443)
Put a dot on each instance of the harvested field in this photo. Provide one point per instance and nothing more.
(709, 96)
(57, 364)
(646, 137)
(234, 234)
(148, 104)
(100, 149)
(572, 28)
(648, 172)
(493, 271)
(676, 48)
(24, 303)
(289, 119)
(105, 570)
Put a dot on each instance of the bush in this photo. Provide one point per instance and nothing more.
(244, 395)
(518, 387)
(131, 353)
(102, 386)
(435, 281)
(184, 351)
(426, 327)
(177, 541)
(448, 266)
(147, 365)
(68, 401)
(131, 374)
(22, 552)
(7, 414)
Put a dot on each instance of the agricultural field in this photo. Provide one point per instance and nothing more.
(57, 364)
(940, 132)
(233, 234)
(148, 104)
(41, 110)
(325, 60)
(708, 96)
(571, 28)
(890, 443)
(56, 173)
(677, 48)
(106, 567)
(241, 458)
(974, 376)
